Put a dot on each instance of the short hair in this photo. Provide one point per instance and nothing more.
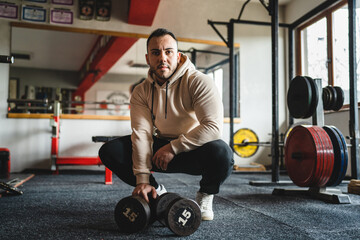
(159, 33)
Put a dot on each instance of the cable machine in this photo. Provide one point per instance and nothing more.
(272, 8)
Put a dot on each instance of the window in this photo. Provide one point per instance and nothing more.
(324, 48)
(217, 76)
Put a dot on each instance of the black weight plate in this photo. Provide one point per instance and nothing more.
(339, 98)
(338, 155)
(183, 216)
(314, 98)
(299, 97)
(326, 96)
(161, 205)
(132, 214)
(333, 97)
(346, 157)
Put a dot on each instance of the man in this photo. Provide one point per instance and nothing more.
(176, 121)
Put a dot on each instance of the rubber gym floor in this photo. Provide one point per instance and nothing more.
(78, 205)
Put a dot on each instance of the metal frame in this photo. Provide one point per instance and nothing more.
(273, 10)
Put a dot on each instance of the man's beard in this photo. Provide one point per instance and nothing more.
(161, 76)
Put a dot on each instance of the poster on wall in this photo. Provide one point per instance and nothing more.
(103, 10)
(63, 2)
(86, 9)
(8, 10)
(120, 103)
(33, 13)
(61, 16)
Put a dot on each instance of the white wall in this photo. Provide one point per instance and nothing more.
(29, 139)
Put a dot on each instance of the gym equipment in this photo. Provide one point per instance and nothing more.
(302, 97)
(56, 160)
(315, 157)
(134, 214)
(4, 162)
(181, 215)
(340, 155)
(161, 205)
(309, 156)
(333, 98)
(246, 142)
(11, 187)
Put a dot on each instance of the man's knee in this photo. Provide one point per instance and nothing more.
(220, 153)
(103, 153)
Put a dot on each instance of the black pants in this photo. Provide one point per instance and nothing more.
(214, 161)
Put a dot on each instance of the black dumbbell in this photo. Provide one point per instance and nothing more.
(134, 214)
(181, 215)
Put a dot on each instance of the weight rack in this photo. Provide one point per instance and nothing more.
(321, 193)
(272, 8)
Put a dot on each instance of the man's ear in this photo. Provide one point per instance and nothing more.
(147, 59)
(178, 57)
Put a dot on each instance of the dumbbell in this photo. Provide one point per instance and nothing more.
(181, 215)
(134, 214)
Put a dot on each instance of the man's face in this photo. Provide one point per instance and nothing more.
(162, 57)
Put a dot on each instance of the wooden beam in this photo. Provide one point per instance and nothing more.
(109, 33)
(142, 12)
(104, 60)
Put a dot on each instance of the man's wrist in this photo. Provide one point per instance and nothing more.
(142, 178)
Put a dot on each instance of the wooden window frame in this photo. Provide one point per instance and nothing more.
(328, 15)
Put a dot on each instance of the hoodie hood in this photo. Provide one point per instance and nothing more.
(184, 65)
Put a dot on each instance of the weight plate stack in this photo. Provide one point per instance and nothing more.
(340, 154)
(300, 97)
(314, 98)
(303, 156)
(339, 98)
(328, 164)
(327, 98)
(317, 175)
(309, 156)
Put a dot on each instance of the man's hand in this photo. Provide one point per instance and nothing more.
(163, 156)
(143, 189)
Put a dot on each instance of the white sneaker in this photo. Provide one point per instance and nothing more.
(205, 202)
(161, 190)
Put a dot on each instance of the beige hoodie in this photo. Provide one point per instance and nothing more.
(187, 111)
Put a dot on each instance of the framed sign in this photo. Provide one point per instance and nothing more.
(63, 2)
(8, 10)
(37, 1)
(103, 10)
(86, 9)
(33, 13)
(61, 16)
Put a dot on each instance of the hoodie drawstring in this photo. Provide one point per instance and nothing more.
(152, 102)
(166, 99)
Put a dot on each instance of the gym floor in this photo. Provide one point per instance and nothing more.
(78, 205)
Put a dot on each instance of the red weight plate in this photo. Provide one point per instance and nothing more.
(324, 166)
(320, 152)
(328, 154)
(329, 167)
(301, 156)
